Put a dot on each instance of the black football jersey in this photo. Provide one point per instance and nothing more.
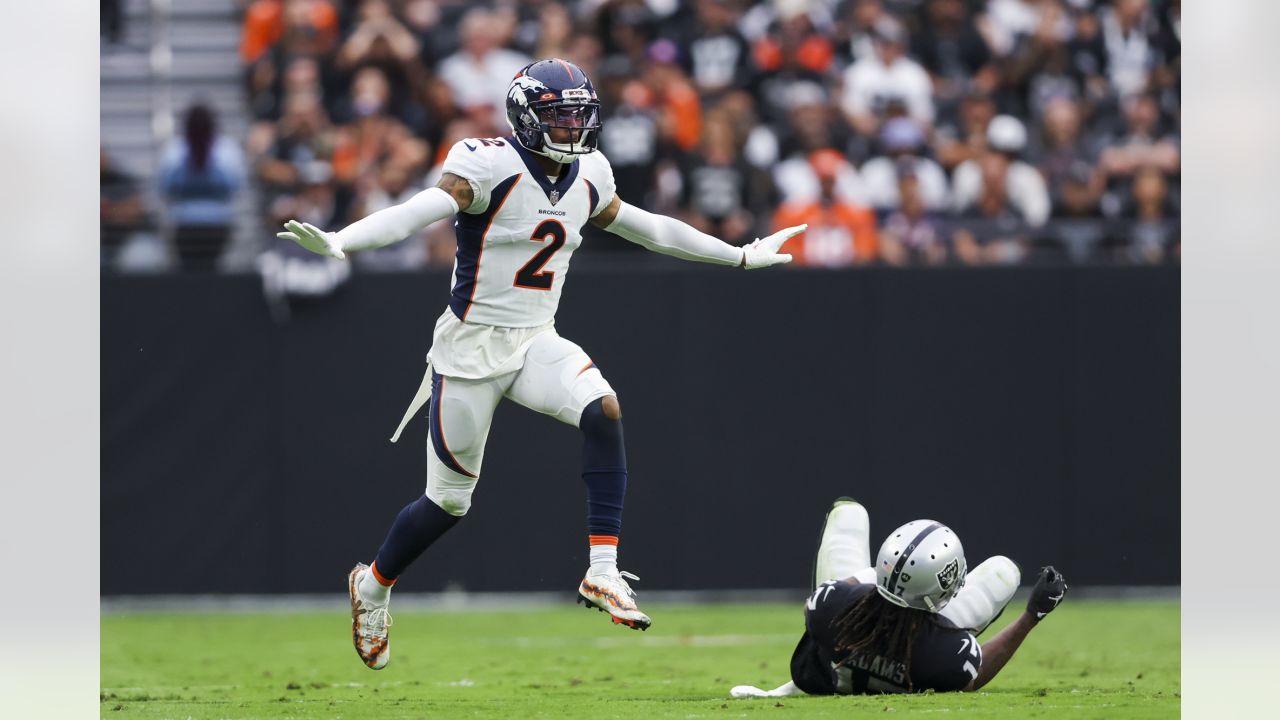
(943, 657)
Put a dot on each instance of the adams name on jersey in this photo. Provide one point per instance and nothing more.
(517, 236)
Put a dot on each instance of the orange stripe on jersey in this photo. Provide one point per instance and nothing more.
(602, 539)
(590, 364)
(480, 255)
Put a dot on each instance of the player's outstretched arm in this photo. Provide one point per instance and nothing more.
(451, 195)
(669, 236)
(1049, 590)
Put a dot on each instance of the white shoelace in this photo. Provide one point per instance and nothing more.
(376, 622)
(628, 576)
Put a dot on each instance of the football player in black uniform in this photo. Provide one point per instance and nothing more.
(909, 623)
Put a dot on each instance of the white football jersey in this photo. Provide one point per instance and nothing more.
(516, 237)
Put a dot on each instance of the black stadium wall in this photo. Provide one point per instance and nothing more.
(1036, 411)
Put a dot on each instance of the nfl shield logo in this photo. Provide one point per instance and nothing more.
(554, 196)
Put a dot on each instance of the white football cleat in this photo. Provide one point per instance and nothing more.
(845, 545)
(608, 592)
(369, 623)
(987, 589)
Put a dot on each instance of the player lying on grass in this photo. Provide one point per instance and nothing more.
(909, 623)
(520, 202)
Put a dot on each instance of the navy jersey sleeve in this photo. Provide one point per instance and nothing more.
(948, 661)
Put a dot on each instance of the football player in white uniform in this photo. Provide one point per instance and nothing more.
(520, 202)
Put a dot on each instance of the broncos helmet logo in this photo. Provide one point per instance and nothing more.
(523, 84)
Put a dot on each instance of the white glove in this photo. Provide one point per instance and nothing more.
(312, 238)
(764, 251)
(751, 691)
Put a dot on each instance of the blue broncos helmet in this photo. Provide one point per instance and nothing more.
(551, 94)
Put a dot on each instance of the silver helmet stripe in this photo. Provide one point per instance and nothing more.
(892, 584)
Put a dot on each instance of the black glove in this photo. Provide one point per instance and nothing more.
(1049, 590)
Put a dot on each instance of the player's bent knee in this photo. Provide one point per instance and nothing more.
(598, 420)
(612, 410)
(1007, 569)
(456, 502)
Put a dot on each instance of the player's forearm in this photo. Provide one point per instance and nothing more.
(997, 651)
(399, 221)
(669, 236)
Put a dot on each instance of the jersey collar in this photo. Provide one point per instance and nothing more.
(554, 191)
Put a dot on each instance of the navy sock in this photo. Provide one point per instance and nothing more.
(419, 524)
(604, 469)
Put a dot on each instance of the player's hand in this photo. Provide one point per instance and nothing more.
(1049, 590)
(764, 251)
(312, 238)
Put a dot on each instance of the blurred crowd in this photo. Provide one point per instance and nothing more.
(904, 132)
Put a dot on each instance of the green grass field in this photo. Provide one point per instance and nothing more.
(1088, 660)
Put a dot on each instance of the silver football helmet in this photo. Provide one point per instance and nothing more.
(921, 565)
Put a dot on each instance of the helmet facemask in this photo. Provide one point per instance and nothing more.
(576, 123)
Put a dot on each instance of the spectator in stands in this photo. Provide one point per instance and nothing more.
(554, 29)
(301, 75)
(954, 52)
(966, 137)
(1154, 234)
(367, 140)
(840, 233)
(996, 232)
(395, 184)
(480, 71)
(714, 54)
(302, 137)
(626, 31)
(1060, 153)
(717, 190)
(903, 146)
(792, 54)
(1018, 180)
(855, 35)
(306, 27)
(1128, 31)
(680, 110)
(1004, 20)
(1142, 143)
(434, 23)
(887, 84)
(1039, 63)
(199, 176)
(382, 41)
(814, 125)
(629, 137)
(910, 235)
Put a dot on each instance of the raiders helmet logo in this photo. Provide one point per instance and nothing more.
(949, 574)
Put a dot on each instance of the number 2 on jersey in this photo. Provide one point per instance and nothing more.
(532, 276)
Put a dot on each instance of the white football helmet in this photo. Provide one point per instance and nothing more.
(921, 565)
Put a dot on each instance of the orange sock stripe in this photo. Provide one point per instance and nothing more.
(378, 576)
(602, 539)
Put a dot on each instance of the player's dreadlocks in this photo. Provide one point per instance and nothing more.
(874, 626)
